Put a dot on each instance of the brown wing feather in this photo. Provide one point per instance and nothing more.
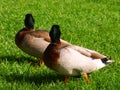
(41, 33)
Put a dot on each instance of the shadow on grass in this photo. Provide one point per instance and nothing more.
(16, 59)
(43, 77)
(37, 79)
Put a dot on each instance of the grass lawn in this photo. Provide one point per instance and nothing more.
(93, 24)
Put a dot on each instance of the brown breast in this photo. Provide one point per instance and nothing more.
(20, 36)
(52, 54)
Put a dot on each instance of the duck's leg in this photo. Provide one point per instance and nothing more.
(86, 78)
(66, 79)
(40, 62)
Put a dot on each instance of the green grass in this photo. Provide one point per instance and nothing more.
(93, 24)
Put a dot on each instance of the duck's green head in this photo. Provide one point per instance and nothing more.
(55, 34)
(29, 21)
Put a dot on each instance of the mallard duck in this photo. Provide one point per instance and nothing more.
(31, 41)
(70, 60)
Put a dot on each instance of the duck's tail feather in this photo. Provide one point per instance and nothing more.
(102, 63)
(106, 61)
